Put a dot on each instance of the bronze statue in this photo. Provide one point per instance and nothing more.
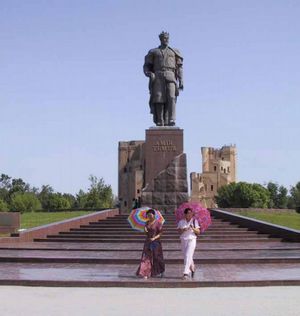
(163, 66)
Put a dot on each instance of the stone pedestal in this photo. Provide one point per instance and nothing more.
(162, 145)
(165, 169)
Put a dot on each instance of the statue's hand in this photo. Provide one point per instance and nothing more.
(151, 76)
(180, 85)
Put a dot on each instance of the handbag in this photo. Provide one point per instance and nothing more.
(195, 227)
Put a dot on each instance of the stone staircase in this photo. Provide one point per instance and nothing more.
(116, 230)
(107, 253)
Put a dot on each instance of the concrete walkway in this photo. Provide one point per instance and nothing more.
(37, 301)
(107, 253)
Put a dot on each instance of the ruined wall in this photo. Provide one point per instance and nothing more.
(218, 169)
(131, 172)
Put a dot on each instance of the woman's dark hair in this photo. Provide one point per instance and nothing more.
(150, 211)
(187, 210)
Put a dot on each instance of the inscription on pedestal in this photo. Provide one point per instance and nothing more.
(162, 146)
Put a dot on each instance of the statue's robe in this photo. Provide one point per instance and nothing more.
(166, 65)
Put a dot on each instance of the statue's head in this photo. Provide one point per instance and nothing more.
(164, 38)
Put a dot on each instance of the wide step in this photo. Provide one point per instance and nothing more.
(107, 253)
(119, 275)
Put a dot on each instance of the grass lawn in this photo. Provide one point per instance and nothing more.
(29, 220)
(291, 220)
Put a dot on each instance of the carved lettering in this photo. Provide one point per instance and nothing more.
(164, 142)
(164, 145)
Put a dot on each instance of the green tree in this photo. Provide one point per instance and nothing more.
(278, 195)
(81, 199)
(24, 202)
(57, 201)
(243, 195)
(225, 197)
(260, 197)
(71, 198)
(9, 186)
(295, 197)
(3, 206)
(18, 185)
(99, 194)
(44, 196)
(5, 181)
(5, 186)
(282, 197)
(273, 190)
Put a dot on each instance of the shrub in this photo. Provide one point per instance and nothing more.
(3, 206)
(244, 195)
(25, 202)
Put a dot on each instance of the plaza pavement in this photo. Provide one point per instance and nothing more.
(254, 301)
(106, 253)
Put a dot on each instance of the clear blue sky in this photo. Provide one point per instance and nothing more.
(72, 86)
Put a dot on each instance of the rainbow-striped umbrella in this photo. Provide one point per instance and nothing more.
(138, 218)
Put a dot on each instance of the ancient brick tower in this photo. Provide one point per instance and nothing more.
(218, 169)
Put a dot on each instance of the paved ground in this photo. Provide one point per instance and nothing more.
(123, 275)
(226, 255)
(40, 301)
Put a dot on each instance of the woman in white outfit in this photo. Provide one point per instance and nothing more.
(189, 229)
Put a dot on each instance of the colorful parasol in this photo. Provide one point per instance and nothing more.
(201, 214)
(138, 218)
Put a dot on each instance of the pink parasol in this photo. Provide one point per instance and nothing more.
(201, 214)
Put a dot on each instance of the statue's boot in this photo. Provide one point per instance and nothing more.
(159, 109)
(171, 111)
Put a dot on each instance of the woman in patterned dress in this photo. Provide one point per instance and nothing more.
(152, 262)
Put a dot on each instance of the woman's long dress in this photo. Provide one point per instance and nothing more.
(152, 261)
